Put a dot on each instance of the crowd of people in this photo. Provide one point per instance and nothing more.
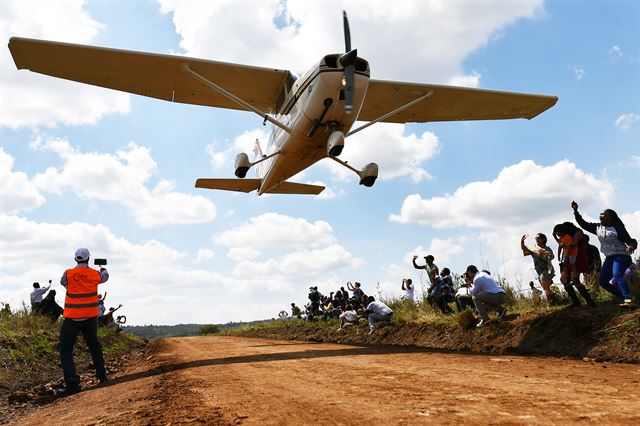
(339, 304)
(482, 293)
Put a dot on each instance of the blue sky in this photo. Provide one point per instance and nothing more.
(83, 166)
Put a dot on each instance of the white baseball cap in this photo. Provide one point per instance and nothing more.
(82, 255)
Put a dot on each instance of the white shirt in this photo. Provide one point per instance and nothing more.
(409, 292)
(485, 283)
(36, 294)
(351, 316)
(379, 308)
(463, 291)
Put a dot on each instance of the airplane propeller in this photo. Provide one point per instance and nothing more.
(348, 61)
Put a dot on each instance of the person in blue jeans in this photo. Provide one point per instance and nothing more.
(617, 246)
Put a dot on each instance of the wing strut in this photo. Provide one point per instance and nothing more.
(185, 68)
(389, 114)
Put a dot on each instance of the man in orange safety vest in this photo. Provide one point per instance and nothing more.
(81, 316)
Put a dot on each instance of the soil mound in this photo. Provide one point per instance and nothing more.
(604, 333)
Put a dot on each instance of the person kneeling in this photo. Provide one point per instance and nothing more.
(377, 312)
(487, 294)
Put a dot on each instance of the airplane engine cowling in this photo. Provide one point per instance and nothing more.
(368, 175)
(242, 164)
(335, 143)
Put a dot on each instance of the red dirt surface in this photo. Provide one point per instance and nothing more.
(231, 380)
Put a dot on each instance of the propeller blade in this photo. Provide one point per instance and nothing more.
(347, 34)
(348, 61)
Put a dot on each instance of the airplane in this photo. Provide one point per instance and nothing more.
(311, 115)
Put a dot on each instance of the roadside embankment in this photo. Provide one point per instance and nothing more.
(30, 362)
(605, 333)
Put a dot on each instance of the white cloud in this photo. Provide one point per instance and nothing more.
(240, 254)
(27, 98)
(276, 231)
(302, 264)
(139, 271)
(635, 160)
(328, 192)
(469, 80)
(438, 35)
(578, 72)
(222, 154)
(121, 178)
(525, 193)
(397, 154)
(204, 254)
(632, 223)
(625, 121)
(17, 192)
(616, 51)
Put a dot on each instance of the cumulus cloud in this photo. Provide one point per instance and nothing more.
(625, 121)
(438, 35)
(222, 154)
(303, 264)
(27, 97)
(277, 231)
(139, 271)
(616, 51)
(204, 254)
(469, 80)
(17, 192)
(579, 72)
(521, 194)
(121, 178)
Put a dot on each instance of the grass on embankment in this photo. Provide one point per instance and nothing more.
(29, 350)
(604, 333)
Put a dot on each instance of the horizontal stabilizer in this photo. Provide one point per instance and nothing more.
(240, 185)
(296, 188)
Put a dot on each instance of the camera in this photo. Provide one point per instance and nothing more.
(100, 262)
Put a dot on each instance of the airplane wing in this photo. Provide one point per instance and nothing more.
(149, 74)
(448, 103)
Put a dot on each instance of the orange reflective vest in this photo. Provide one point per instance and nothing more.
(81, 300)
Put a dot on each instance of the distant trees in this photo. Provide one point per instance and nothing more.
(207, 329)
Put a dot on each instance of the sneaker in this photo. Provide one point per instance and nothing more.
(628, 303)
(502, 313)
(66, 391)
(482, 323)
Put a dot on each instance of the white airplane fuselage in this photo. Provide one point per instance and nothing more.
(304, 109)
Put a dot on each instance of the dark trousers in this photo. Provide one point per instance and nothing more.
(68, 334)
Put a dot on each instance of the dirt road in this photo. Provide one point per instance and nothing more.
(227, 380)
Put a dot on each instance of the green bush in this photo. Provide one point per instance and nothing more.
(208, 329)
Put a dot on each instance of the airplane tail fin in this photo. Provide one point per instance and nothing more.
(240, 185)
(296, 188)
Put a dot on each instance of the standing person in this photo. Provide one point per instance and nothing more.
(572, 252)
(36, 296)
(617, 246)
(377, 312)
(487, 294)
(429, 266)
(407, 286)
(542, 256)
(81, 316)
